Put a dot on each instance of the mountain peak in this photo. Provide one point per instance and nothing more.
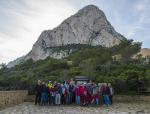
(88, 26)
(90, 9)
(91, 6)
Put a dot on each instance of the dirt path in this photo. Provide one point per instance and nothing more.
(117, 108)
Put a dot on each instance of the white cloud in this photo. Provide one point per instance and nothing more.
(27, 24)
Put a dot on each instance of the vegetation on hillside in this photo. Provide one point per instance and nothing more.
(114, 65)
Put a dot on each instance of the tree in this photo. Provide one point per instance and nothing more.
(3, 66)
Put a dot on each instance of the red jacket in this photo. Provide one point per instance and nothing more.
(77, 91)
(81, 90)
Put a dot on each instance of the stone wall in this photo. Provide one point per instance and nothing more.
(10, 98)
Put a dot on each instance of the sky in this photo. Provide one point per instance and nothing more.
(22, 21)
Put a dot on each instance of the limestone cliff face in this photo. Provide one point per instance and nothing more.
(88, 26)
(145, 52)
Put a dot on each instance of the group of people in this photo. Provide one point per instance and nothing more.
(68, 92)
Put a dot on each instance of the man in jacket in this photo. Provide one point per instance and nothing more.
(38, 90)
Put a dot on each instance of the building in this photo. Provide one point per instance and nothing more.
(81, 79)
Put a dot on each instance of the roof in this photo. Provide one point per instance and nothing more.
(81, 78)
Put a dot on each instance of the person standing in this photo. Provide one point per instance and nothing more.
(71, 91)
(63, 94)
(106, 93)
(58, 97)
(95, 95)
(44, 97)
(77, 94)
(53, 95)
(38, 90)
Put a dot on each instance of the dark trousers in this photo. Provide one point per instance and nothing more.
(49, 99)
(69, 98)
(38, 98)
(73, 99)
(53, 100)
(63, 99)
(82, 99)
(111, 99)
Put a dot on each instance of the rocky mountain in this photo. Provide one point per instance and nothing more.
(145, 52)
(15, 62)
(88, 26)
